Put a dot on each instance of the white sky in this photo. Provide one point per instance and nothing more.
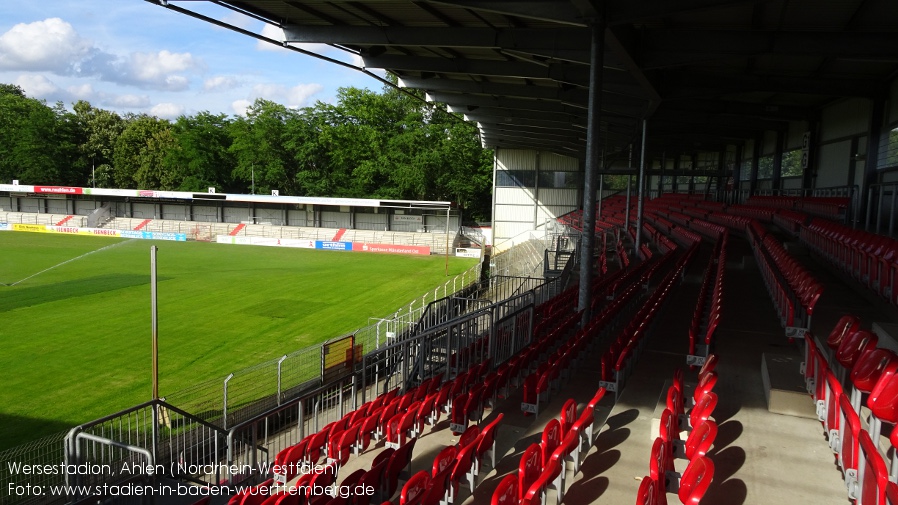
(135, 56)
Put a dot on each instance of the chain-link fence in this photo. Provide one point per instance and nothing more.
(49, 450)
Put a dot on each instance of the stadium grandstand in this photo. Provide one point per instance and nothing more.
(409, 226)
(723, 330)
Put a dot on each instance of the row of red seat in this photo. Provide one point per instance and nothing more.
(453, 467)
(869, 258)
(543, 465)
(872, 372)
(793, 290)
(709, 304)
(620, 358)
(790, 220)
(663, 478)
(803, 287)
(824, 206)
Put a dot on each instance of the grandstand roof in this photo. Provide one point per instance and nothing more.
(704, 73)
(230, 197)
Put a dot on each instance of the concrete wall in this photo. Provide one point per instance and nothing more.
(532, 188)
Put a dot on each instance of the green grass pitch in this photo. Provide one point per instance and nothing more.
(75, 340)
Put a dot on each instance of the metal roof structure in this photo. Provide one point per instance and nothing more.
(703, 73)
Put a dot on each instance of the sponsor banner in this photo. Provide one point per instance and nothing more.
(465, 252)
(112, 192)
(271, 242)
(58, 190)
(5, 227)
(100, 232)
(333, 246)
(34, 228)
(405, 218)
(390, 248)
(155, 235)
(97, 232)
(16, 188)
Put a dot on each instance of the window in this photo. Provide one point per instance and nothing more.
(745, 172)
(515, 179)
(559, 180)
(888, 151)
(765, 167)
(792, 163)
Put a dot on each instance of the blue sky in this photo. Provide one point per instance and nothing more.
(135, 56)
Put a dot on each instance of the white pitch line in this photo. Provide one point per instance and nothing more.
(68, 261)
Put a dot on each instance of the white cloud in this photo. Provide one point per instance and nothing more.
(53, 45)
(159, 66)
(239, 107)
(167, 110)
(238, 20)
(128, 101)
(49, 45)
(36, 85)
(272, 32)
(297, 96)
(220, 83)
(82, 92)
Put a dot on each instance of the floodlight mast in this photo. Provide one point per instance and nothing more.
(154, 322)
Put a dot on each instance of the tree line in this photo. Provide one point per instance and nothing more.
(368, 144)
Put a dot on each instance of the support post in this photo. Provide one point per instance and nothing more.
(154, 322)
(777, 175)
(588, 243)
(755, 165)
(874, 139)
(629, 183)
(640, 192)
(224, 410)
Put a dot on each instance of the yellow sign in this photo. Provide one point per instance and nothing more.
(36, 228)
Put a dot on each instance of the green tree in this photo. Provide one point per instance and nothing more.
(33, 146)
(201, 155)
(137, 160)
(260, 149)
(102, 129)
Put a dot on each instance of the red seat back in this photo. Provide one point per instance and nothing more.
(469, 436)
(506, 492)
(844, 327)
(444, 459)
(400, 459)
(705, 384)
(596, 399)
(883, 401)
(647, 492)
(568, 415)
(853, 346)
(661, 461)
(529, 468)
(703, 409)
(674, 401)
(869, 368)
(695, 480)
(700, 439)
(551, 439)
(413, 491)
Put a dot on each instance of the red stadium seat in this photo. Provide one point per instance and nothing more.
(415, 488)
(695, 480)
(506, 492)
